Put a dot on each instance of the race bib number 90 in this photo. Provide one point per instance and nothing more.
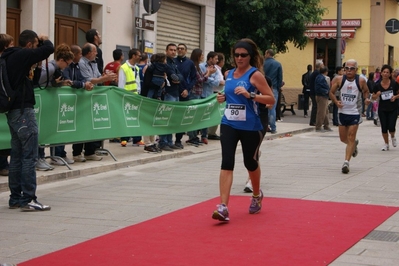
(235, 112)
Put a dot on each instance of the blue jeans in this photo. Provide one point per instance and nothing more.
(167, 140)
(370, 112)
(272, 112)
(24, 143)
(60, 151)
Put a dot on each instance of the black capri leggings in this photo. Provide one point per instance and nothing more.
(388, 120)
(250, 142)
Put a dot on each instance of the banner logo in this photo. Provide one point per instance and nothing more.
(100, 111)
(66, 112)
(163, 115)
(189, 115)
(131, 110)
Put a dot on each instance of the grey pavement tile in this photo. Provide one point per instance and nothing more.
(365, 260)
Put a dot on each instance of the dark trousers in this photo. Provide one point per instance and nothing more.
(179, 136)
(306, 103)
(278, 106)
(90, 148)
(314, 110)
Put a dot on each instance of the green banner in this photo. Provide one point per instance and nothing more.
(65, 115)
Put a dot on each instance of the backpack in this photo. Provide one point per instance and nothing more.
(147, 80)
(7, 93)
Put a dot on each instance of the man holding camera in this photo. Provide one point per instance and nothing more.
(22, 121)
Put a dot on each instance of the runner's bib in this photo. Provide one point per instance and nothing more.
(387, 95)
(235, 112)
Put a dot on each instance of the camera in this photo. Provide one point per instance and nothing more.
(57, 74)
(40, 43)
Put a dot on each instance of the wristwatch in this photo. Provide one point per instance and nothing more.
(252, 95)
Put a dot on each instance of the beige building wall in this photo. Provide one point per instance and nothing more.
(370, 46)
(115, 20)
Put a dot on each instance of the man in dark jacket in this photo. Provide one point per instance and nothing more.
(22, 121)
(173, 91)
(187, 69)
(316, 72)
(306, 90)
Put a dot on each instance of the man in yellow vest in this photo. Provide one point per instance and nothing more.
(129, 79)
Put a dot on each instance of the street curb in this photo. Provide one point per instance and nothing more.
(115, 165)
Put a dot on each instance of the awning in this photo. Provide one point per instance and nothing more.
(328, 33)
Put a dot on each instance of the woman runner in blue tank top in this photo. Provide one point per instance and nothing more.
(245, 87)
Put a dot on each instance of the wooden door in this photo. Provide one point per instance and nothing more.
(14, 23)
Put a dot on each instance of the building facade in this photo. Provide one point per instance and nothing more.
(364, 38)
(191, 22)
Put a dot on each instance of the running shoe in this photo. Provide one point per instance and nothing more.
(345, 167)
(385, 147)
(394, 143)
(256, 203)
(248, 187)
(355, 152)
(221, 213)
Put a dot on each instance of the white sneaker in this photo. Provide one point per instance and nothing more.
(248, 187)
(93, 157)
(385, 147)
(394, 143)
(79, 158)
(59, 162)
(42, 165)
(69, 161)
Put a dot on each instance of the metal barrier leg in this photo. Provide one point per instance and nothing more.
(52, 157)
(101, 151)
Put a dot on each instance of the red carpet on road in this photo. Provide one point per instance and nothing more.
(286, 232)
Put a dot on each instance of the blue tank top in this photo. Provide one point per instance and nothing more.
(241, 113)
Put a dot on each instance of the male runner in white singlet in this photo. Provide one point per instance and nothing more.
(350, 87)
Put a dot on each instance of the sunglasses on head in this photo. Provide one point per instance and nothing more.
(350, 68)
(242, 55)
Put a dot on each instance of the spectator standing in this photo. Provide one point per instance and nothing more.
(173, 91)
(142, 65)
(316, 72)
(241, 122)
(129, 79)
(306, 90)
(339, 71)
(370, 86)
(54, 71)
(212, 130)
(89, 70)
(113, 67)
(187, 70)
(24, 139)
(94, 37)
(212, 81)
(5, 42)
(322, 89)
(72, 72)
(350, 87)
(274, 71)
(197, 57)
(387, 92)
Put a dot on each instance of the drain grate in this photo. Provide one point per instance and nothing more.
(383, 236)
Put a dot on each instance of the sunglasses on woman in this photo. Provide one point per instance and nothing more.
(242, 55)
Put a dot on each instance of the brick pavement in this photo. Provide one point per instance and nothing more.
(100, 197)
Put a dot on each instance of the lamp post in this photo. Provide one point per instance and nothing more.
(338, 58)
